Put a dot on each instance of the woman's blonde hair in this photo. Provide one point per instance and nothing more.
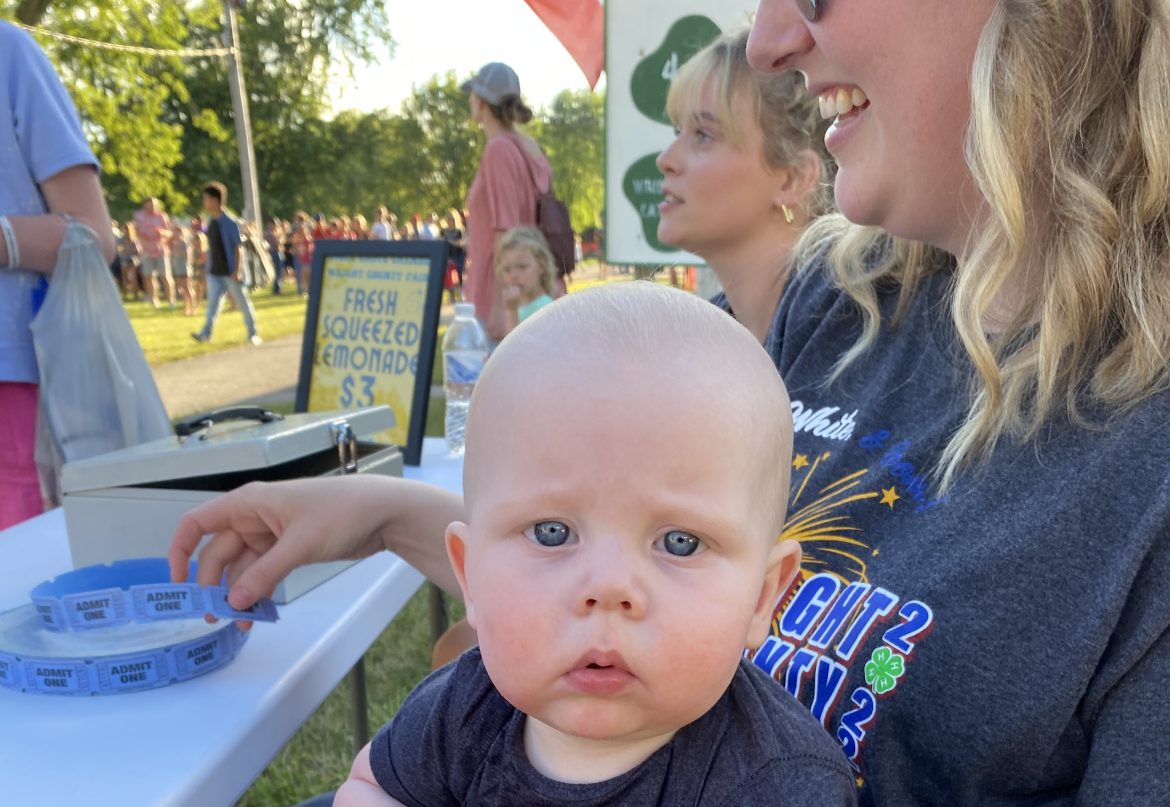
(531, 239)
(1069, 142)
(787, 115)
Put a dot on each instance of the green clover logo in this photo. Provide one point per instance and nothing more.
(883, 670)
(651, 78)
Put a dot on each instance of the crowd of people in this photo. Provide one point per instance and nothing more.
(157, 256)
(163, 258)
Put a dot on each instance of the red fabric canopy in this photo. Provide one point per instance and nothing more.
(580, 27)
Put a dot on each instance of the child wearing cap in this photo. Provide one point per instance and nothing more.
(615, 571)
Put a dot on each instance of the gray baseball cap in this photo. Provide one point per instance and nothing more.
(494, 82)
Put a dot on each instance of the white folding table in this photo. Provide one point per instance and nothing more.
(200, 742)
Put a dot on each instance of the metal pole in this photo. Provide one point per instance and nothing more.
(359, 705)
(440, 621)
(231, 38)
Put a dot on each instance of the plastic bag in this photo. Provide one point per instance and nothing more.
(97, 393)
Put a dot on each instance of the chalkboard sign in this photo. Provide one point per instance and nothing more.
(370, 332)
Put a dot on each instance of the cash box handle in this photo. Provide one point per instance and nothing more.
(347, 446)
(205, 421)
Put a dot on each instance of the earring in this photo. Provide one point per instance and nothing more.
(788, 217)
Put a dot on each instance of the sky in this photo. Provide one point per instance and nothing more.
(460, 35)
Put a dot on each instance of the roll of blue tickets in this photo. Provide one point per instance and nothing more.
(112, 629)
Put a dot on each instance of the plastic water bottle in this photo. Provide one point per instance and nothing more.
(464, 353)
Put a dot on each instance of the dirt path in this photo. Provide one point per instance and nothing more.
(264, 375)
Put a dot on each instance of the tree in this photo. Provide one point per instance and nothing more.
(119, 94)
(161, 125)
(449, 144)
(573, 136)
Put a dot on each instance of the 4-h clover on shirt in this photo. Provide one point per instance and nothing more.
(883, 670)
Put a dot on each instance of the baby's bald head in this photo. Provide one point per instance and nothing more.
(632, 350)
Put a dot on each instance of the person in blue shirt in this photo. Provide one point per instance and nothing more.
(46, 169)
(224, 264)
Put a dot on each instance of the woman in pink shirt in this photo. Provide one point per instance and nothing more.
(512, 174)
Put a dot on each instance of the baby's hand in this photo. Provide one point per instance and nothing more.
(511, 296)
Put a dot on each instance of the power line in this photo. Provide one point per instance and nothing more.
(143, 51)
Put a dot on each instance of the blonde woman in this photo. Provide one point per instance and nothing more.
(744, 175)
(976, 351)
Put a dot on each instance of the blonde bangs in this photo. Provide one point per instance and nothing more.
(714, 67)
(788, 118)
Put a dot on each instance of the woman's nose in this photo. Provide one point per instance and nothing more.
(779, 36)
(667, 160)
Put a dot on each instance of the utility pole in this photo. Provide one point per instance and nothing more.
(231, 38)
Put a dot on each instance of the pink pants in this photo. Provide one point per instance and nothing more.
(20, 490)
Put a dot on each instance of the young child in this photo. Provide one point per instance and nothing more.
(180, 267)
(615, 572)
(197, 266)
(303, 242)
(127, 246)
(524, 267)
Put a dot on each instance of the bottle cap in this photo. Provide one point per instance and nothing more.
(465, 309)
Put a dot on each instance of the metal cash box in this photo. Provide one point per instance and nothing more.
(126, 504)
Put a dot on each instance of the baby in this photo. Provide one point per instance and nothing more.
(615, 570)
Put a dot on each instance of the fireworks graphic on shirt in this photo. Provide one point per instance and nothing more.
(819, 521)
(832, 619)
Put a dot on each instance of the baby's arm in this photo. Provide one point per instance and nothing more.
(361, 789)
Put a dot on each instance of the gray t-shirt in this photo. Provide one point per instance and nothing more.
(1003, 644)
(455, 740)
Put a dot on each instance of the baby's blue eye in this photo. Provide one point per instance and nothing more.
(550, 533)
(681, 544)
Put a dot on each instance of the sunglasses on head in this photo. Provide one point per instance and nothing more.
(808, 8)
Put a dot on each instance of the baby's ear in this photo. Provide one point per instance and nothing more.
(457, 533)
(783, 566)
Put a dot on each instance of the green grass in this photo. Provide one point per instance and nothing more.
(165, 335)
(318, 757)
(437, 366)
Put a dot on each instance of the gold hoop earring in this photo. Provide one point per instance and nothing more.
(788, 217)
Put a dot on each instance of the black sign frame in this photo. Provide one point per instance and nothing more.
(437, 254)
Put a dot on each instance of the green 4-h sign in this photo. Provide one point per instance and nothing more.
(649, 85)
